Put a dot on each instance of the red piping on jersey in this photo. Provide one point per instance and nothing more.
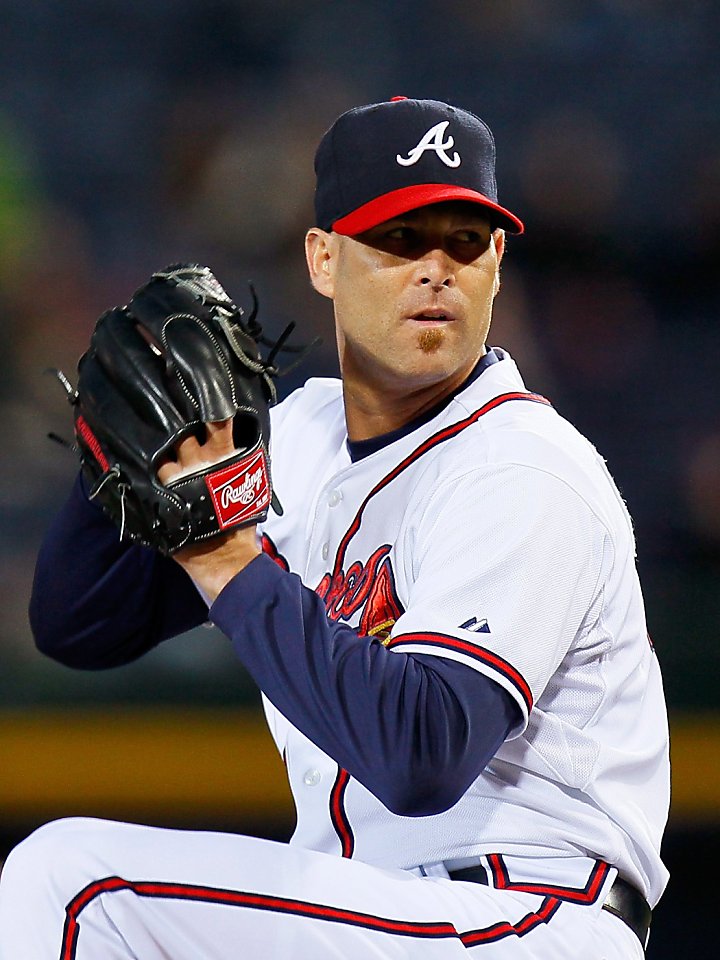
(440, 437)
(337, 811)
(473, 650)
(338, 814)
(587, 894)
(283, 905)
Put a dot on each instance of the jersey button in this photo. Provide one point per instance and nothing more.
(325, 550)
(334, 498)
(312, 777)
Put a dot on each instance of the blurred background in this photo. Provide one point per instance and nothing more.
(133, 135)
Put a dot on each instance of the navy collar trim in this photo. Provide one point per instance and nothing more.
(359, 449)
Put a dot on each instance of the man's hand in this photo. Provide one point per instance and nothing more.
(192, 455)
(211, 564)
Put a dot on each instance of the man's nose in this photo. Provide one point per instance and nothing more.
(436, 269)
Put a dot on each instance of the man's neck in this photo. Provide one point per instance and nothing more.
(373, 410)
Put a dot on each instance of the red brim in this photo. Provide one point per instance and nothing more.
(396, 202)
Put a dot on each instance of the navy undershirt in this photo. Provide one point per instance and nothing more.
(415, 729)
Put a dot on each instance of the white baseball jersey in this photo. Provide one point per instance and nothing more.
(492, 535)
(489, 533)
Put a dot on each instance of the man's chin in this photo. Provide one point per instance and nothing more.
(432, 368)
(431, 339)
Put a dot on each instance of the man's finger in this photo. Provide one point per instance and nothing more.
(219, 442)
(191, 455)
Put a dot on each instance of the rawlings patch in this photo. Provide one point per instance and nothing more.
(241, 490)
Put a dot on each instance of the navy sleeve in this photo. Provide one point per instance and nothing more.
(97, 602)
(416, 730)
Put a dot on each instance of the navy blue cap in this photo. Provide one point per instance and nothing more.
(384, 159)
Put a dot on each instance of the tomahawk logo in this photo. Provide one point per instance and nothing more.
(433, 140)
(366, 587)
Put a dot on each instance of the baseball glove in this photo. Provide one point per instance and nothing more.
(179, 355)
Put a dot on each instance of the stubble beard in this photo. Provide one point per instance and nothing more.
(430, 340)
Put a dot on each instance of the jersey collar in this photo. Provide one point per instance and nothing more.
(359, 449)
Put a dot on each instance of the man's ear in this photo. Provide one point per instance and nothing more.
(320, 253)
(498, 238)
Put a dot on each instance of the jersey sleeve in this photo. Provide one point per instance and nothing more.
(508, 562)
(414, 730)
(98, 602)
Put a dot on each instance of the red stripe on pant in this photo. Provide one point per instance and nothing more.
(257, 901)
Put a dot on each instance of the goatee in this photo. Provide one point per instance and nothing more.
(429, 340)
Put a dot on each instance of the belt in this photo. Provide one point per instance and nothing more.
(623, 900)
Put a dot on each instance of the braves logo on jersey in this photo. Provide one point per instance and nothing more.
(271, 550)
(366, 587)
(369, 587)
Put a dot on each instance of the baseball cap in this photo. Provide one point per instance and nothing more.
(384, 159)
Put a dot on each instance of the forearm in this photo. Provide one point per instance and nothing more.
(97, 602)
(415, 730)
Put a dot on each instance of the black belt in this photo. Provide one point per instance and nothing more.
(623, 900)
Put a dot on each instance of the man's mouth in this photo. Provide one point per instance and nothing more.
(432, 315)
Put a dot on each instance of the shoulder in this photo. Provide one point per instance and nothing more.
(502, 429)
(502, 422)
(320, 398)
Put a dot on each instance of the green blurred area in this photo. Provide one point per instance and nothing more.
(131, 138)
(198, 668)
(199, 146)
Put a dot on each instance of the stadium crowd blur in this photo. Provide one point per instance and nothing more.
(133, 135)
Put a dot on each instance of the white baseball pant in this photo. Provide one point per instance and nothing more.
(83, 889)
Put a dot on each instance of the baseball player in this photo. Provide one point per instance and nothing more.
(429, 573)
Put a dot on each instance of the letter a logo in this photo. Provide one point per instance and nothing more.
(433, 140)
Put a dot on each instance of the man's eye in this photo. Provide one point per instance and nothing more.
(400, 233)
(470, 243)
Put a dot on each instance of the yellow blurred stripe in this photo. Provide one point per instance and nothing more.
(220, 763)
(117, 762)
(694, 753)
